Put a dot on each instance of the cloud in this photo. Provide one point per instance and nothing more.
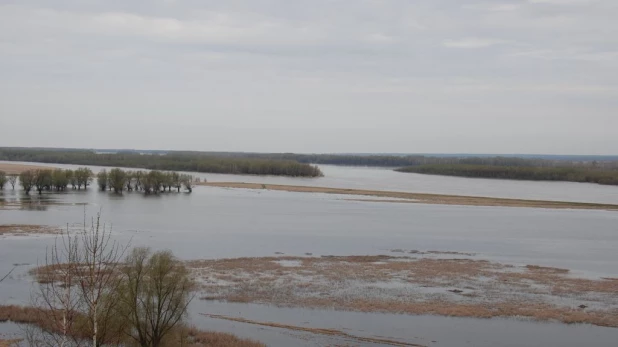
(493, 7)
(319, 64)
(472, 42)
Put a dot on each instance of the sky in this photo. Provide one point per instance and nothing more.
(319, 76)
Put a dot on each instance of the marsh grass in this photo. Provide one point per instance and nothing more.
(183, 335)
(449, 287)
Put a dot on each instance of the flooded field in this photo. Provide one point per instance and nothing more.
(224, 223)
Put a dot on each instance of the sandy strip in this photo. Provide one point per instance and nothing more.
(329, 332)
(420, 198)
(15, 169)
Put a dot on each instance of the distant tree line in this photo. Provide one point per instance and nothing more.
(152, 182)
(570, 174)
(175, 161)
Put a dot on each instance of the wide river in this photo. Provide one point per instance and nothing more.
(218, 222)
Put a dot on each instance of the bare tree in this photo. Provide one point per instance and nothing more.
(155, 295)
(12, 181)
(57, 298)
(100, 257)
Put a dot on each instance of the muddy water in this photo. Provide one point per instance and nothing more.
(217, 222)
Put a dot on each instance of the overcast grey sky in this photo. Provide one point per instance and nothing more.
(499, 76)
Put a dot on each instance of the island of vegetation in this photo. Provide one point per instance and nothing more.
(587, 174)
(118, 180)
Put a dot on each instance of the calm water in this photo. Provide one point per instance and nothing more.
(218, 222)
(387, 179)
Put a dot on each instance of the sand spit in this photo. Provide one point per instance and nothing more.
(420, 198)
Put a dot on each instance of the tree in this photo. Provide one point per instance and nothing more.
(138, 179)
(57, 298)
(26, 179)
(155, 294)
(187, 181)
(79, 286)
(60, 179)
(12, 181)
(176, 181)
(43, 179)
(3, 179)
(102, 179)
(117, 179)
(99, 256)
(128, 180)
(73, 179)
(83, 177)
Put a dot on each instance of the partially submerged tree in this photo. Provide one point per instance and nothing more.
(43, 179)
(102, 179)
(117, 179)
(155, 294)
(176, 181)
(26, 179)
(187, 181)
(12, 181)
(3, 179)
(83, 177)
(61, 179)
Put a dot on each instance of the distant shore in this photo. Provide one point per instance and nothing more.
(420, 198)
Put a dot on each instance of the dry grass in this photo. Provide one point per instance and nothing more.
(329, 332)
(217, 339)
(27, 229)
(421, 198)
(10, 343)
(16, 169)
(452, 287)
(194, 336)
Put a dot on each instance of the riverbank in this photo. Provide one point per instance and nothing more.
(419, 198)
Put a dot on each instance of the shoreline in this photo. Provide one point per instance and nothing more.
(419, 198)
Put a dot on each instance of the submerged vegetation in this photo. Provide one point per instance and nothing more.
(176, 161)
(151, 182)
(571, 174)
